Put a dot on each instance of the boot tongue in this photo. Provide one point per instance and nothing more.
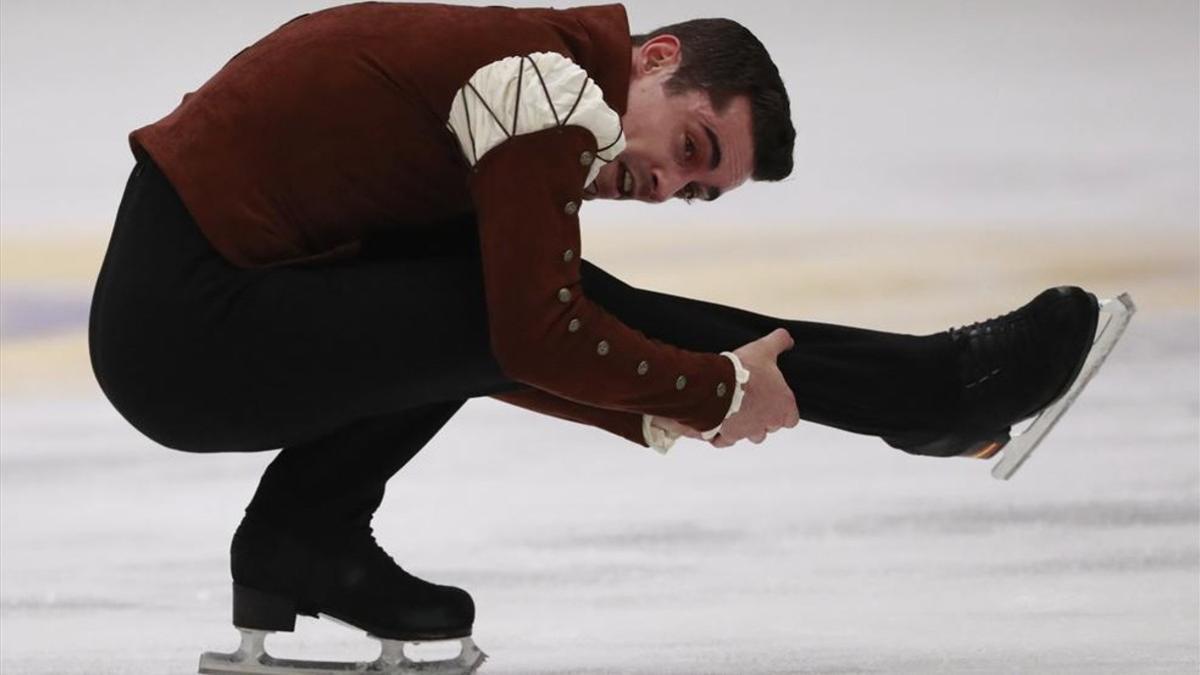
(988, 348)
(357, 541)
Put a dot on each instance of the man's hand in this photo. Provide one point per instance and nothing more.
(768, 403)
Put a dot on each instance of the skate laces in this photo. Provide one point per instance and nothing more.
(993, 346)
(375, 549)
(365, 537)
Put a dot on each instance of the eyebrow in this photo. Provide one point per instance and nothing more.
(714, 161)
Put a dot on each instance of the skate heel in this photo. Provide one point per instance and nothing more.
(988, 447)
(262, 611)
(955, 444)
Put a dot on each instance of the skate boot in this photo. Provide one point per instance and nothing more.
(1032, 361)
(345, 576)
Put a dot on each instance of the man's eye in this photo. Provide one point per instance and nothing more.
(689, 148)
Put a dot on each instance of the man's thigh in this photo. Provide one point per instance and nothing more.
(323, 346)
(318, 347)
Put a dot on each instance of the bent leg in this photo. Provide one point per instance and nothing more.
(338, 479)
(203, 356)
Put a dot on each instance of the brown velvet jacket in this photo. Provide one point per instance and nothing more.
(332, 129)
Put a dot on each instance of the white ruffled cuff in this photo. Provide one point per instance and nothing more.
(741, 377)
(656, 437)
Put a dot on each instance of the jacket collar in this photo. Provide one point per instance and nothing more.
(609, 59)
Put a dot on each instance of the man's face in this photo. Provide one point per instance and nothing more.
(675, 145)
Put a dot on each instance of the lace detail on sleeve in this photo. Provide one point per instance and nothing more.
(525, 94)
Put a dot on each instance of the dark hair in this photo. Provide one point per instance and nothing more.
(724, 59)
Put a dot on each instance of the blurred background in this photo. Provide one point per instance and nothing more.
(953, 159)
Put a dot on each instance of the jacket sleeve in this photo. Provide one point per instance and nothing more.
(527, 193)
(624, 424)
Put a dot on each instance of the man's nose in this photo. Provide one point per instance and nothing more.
(665, 182)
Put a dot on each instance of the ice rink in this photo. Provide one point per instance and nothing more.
(815, 552)
(953, 159)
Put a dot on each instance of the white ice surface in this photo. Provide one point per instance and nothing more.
(816, 552)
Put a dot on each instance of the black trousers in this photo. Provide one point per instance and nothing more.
(351, 367)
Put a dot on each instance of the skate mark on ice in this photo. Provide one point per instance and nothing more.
(54, 603)
(1132, 562)
(664, 536)
(1072, 516)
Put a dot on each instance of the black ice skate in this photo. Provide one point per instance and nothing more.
(348, 578)
(1032, 361)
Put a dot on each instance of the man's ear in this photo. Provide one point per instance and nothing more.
(658, 53)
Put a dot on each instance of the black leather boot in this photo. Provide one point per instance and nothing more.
(278, 574)
(1010, 368)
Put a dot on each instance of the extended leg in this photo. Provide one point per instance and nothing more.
(859, 380)
(945, 394)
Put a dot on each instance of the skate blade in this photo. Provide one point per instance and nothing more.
(1115, 313)
(252, 658)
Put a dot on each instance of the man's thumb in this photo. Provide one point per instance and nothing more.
(780, 340)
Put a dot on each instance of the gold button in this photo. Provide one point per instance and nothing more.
(602, 347)
(586, 158)
(564, 295)
(568, 255)
(574, 325)
(720, 390)
(643, 367)
(571, 208)
(680, 382)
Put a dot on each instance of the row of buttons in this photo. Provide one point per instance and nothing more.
(564, 294)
